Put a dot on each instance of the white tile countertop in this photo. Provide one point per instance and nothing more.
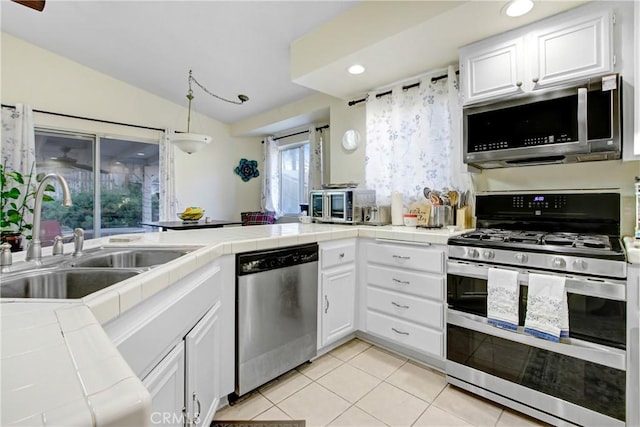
(633, 250)
(58, 366)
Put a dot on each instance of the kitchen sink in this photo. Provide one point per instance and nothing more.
(128, 258)
(71, 277)
(62, 283)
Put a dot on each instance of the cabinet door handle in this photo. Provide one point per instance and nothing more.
(399, 305)
(326, 304)
(405, 282)
(196, 416)
(399, 332)
(519, 84)
(535, 79)
(341, 255)
(401, 257)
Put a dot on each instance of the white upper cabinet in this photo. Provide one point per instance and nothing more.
(577, 48)
(565, 48)
(492, 68)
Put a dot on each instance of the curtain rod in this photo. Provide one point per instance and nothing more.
(89, 118)
(407, 87)
(300, 133)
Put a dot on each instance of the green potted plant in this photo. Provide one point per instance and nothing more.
(16, 193)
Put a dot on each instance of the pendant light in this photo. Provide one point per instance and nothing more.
(192, 142)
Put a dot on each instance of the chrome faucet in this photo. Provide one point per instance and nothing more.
(34, 251)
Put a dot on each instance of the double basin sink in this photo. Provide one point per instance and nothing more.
(67, 277)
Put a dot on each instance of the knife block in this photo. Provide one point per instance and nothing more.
(463, 217)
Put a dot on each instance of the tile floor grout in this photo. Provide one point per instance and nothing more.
(387, 359)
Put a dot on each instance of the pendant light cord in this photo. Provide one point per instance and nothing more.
(242, 98)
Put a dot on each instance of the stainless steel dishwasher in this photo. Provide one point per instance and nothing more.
(276, 313)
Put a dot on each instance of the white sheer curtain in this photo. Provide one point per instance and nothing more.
(315, 158)
(18, 147)
(168, 200)
(270, 197)
(413, 139)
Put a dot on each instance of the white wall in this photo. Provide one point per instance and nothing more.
(50, 82)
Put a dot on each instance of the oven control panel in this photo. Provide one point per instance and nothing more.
(555, 201)
(597, 207)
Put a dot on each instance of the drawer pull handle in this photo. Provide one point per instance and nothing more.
(341, 255)
(402, 282)
(399, 305)
(401, 257)
(326, 307)
(399, 332)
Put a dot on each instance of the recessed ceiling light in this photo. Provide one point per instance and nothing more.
(356, 69)
(518, 7)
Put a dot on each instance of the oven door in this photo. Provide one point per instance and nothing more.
(581, 379)
(316, 204)
(339, 205)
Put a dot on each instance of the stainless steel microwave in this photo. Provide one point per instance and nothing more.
(560, 125)
(340, 205)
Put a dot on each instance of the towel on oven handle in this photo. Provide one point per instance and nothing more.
(547, 312)
(502, 298)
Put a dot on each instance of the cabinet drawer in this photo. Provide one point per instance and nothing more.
(413, 257)
(407, 307)
(406, 333)
(339, 255)
(420, 284)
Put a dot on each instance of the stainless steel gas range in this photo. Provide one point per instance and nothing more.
(584, 379)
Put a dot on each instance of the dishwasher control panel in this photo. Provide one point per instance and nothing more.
(257, 261)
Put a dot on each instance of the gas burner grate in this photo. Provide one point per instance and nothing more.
(524, 237)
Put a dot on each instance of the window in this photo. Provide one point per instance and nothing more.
(114, 182)
(294, 182)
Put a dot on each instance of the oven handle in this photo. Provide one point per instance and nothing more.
(596, 353)
(600, 288)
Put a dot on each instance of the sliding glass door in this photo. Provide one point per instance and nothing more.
(113, 182)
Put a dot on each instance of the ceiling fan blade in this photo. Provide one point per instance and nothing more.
(33, 4)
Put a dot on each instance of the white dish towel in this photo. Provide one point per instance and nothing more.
(502, 298)
(547, 312)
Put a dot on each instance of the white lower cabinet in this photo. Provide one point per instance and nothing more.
(166, 386)
(202, 345)
(175, 343)
(337, 291)
(338, 312)
(404, 290)
(184, 386)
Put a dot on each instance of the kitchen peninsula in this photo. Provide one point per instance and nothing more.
(59, 365)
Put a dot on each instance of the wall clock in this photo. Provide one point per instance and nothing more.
(351, 140)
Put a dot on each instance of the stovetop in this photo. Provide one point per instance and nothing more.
(559, 232)
(576, 244)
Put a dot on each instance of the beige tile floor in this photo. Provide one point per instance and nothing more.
(362, 385)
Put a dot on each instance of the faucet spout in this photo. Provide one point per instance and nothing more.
(34, 252)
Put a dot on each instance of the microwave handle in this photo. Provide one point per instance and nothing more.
(326, 209)
(582, 117)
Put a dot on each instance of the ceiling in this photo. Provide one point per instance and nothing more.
(275, 52)
(233, 47)
(410, 38)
